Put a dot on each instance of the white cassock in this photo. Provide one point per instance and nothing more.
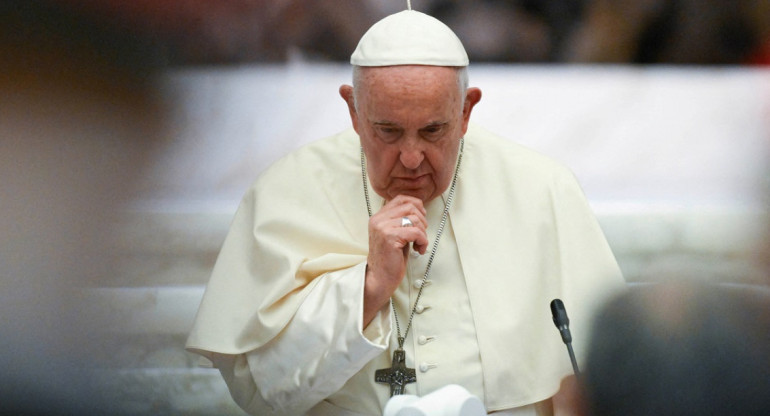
(282, 314)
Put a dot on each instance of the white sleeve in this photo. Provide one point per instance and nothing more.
(319, 350)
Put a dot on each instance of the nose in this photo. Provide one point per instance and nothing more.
(411, 153)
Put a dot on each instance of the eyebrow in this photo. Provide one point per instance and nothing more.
(391, 123)
(383, 123)
(436, 123)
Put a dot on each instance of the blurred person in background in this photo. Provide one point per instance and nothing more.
(693, 32)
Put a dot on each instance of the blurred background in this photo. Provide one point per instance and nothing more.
(130, 130)
(695, 32)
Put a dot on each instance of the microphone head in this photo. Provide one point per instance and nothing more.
(559, 313)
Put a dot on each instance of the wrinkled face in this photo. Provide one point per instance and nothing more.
(410, 120)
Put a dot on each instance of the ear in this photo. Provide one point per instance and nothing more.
(472, 97)
(346, 92)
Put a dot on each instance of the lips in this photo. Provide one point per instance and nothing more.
(416, 181)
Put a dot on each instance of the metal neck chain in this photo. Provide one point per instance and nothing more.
(440, 230)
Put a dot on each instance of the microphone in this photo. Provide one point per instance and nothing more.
(561, 321)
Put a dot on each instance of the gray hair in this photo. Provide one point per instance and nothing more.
(462, 82)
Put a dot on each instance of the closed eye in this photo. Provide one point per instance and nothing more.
(387, 132)
(433, 132)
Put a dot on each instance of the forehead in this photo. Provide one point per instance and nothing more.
(408, 78)
(418, 93)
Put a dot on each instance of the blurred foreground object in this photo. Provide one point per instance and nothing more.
(681, 349)
(450, 400)
(78, 114)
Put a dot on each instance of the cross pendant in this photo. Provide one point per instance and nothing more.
(398, 375)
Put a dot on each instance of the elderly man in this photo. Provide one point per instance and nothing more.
(411, 252)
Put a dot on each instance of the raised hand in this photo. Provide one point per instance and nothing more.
(389, 244)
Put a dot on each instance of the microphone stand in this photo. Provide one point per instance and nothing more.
(575, 368)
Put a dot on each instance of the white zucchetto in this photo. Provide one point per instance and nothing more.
(409, 38)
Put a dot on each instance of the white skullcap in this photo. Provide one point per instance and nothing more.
(409, 38)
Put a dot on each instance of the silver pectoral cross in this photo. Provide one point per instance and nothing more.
(398, 375)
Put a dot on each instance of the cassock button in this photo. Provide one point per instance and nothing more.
(425, 367)
(421, 309)
(420, 283)
(422, 339)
